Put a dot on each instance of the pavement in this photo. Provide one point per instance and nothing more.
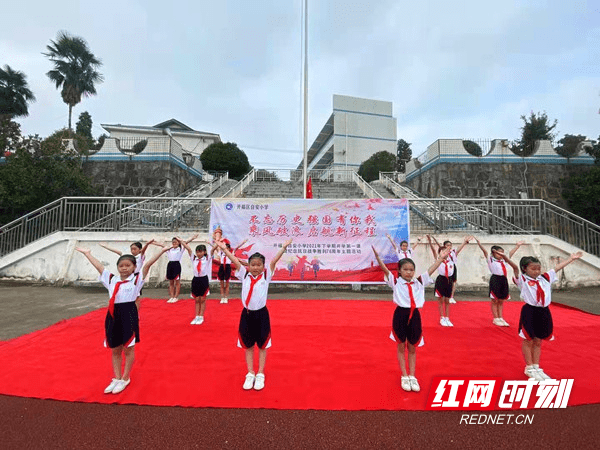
(36, 423)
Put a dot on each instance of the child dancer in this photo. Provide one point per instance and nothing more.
(404, 250)
(446, 278)
(201, 265)
(535, 323)
(255, 325)
(138, 251)
(175, 252)
(224, 273)
(409, 296)
(498, 281)
(122, 323)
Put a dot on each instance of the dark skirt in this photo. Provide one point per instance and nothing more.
(200, 286)
(124, 327)
(224, 273)
(443, 286)
(535, 322)
(255, 328)
(173, 270)
(407, 329)
(499, 288)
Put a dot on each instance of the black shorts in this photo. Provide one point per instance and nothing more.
(453, 276)
(200, 286)
(255, 328)
(124, 327)
(499, 288)
(535, 322)
(404, 329)
(173, 270)
(224, 273)
(443, 286)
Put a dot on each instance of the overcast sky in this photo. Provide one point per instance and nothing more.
(465, 69)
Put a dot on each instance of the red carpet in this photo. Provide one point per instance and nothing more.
(326, 354)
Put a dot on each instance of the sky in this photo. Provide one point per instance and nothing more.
(466, 69)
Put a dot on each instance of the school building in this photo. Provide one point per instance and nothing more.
(356, 129)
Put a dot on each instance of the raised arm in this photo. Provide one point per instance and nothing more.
(392, 241)
(510, 263)
(386, 271)
(485, 253)
(432, 247)
(566, 262)
(417, 243)
(110, 249)
(190, 239)
(186, 246)
(147, 266)
(516, 247)
(88, 254)
(441, 257)
(279, 254)
(465, 242)
(241, 243)
(236, 262)
(145, 247)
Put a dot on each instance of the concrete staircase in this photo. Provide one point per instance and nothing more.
(291, 189)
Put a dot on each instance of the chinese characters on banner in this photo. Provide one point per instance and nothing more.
(331, 240)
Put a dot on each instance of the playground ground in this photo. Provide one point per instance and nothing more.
(35, 423)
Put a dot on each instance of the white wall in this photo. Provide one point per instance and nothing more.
(54, 258)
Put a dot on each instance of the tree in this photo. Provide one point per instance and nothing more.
(379, 162)
(10, 135)
(37, 173)
(472, 148)
(225, 156)
(567, 146)
(404, 154)
(14, 93)
(582, 194)
(83, 128)
(594, 150)
(74, 68)
(536, 127)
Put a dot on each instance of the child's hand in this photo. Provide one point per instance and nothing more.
(444, 253)
(518, 244)
(467, 239)
(85, 251)
(286, 243)
(477, 240)
(575, 256)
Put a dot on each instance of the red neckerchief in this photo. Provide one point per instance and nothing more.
(446, 262)
(199, 266)
(253, 281)
(413, 304)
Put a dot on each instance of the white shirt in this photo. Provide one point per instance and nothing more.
(449, 263)
(404, 254)
(204, 268)
(139, 262)
(401, 293)
(175, 254)
(224, 258)
(259, 293)
(128, 292)
(528, 287)
(495, 266)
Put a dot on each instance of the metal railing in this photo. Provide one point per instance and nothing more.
(364, 186)
(494, 216)
(237, 190)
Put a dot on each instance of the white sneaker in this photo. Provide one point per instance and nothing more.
(405, 383)
(497, 322)
(171, 300)
(533, 373)
(504, 323)
(443, 321)
(200, 320)
(259, 382)
(542, 374)
(414, 384)
(195, 321)
(225, 300)
(448, 323)
(111, 386)
(122, 384)
(175, 299)
(249, 382)
(222, 300)
(451, 300)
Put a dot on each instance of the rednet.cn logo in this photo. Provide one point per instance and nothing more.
(492, 393)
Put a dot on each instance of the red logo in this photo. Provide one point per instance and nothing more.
(464, 393)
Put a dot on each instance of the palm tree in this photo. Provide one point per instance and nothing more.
(74, 68)
(14, 93)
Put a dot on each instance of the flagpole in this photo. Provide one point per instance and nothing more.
(305, 137)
